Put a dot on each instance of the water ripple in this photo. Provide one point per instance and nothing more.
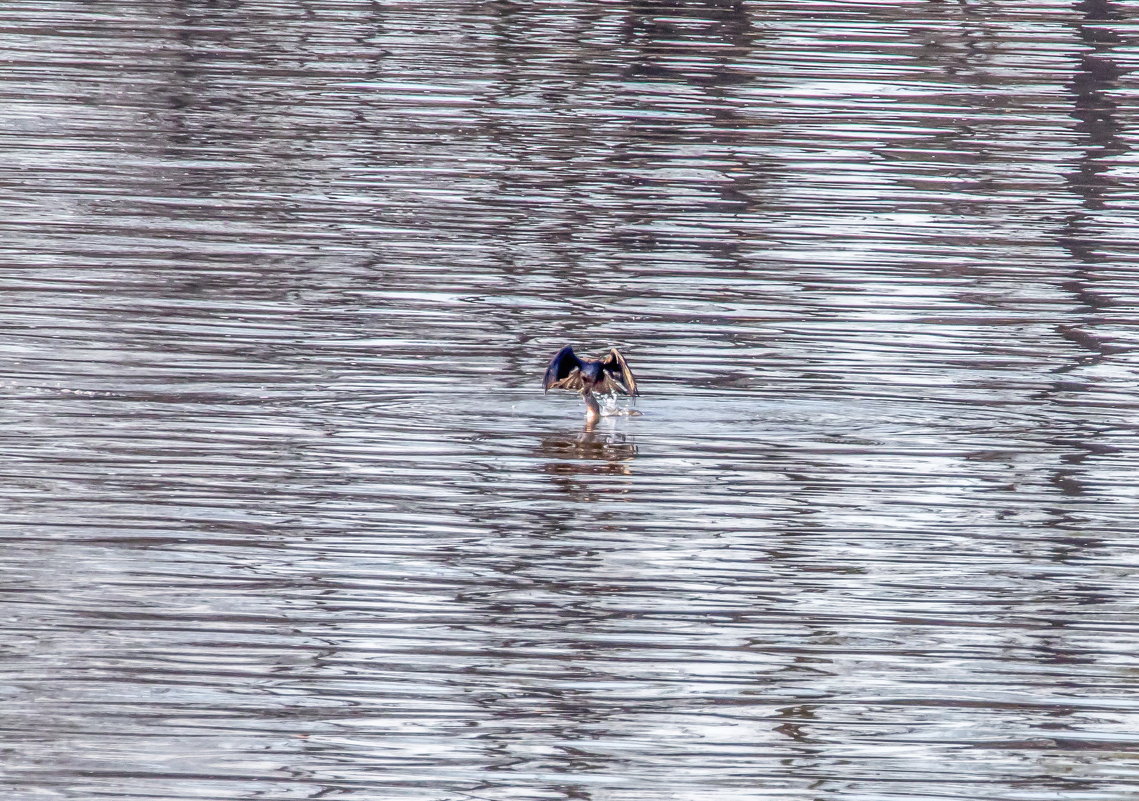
(286, 515)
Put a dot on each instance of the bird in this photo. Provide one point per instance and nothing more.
(587, 376)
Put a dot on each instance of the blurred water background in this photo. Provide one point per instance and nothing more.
(284, 513)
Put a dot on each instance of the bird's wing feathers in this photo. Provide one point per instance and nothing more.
(615, 365)
(573, 382)
(563, 371)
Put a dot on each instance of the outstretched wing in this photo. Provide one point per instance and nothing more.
(616, 367)
(563, 372)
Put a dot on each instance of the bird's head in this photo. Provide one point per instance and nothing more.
(591, 371)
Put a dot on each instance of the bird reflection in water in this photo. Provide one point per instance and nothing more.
(590, 452)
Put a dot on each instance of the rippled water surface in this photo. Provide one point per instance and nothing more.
(286, 515)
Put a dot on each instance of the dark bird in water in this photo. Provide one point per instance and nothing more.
(587, 376)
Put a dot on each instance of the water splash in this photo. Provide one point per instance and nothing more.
(612, 406)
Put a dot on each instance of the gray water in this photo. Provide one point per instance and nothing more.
(285, 513)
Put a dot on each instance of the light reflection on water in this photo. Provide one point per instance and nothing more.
(287, 515)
